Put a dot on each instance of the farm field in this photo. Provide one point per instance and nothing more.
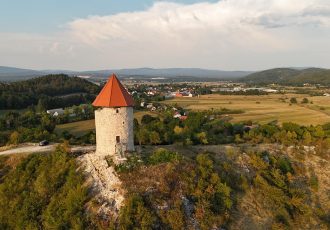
(264, 108)
(82, 127)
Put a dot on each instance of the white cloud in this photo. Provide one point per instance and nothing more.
(229, 34)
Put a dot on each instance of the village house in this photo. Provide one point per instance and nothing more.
(55, 112)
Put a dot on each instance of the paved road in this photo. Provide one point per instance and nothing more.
(34, 148)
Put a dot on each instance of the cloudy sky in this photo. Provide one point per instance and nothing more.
(105, 34)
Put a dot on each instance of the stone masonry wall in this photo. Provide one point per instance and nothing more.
(112, 122)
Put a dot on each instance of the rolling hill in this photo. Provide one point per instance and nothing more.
(54, 91)
(15, 74)
(289, 76)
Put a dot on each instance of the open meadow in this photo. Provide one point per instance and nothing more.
(264, 108)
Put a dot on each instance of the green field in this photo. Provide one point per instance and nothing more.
(82, 127)
(264, 108)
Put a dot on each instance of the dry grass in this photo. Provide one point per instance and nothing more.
(264, 108)
(77, 128)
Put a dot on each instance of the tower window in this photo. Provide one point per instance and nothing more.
(117, 110)
(117, 139)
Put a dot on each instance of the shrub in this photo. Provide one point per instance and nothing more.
(133, 162)
(162, 155)
(304, 101)
(314, 182)
(284, 165)
(136, 215)
(293, 100)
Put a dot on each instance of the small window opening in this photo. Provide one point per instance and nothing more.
(118, 139)
(117, 110)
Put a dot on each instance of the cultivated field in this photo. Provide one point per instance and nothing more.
(264, 108)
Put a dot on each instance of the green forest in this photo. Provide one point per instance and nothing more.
(288, 76)
(47, 92)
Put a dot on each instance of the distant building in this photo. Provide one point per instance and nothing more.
(55, 112)
(183, 94)
(270, 90)
(177, 115)
(182, 118)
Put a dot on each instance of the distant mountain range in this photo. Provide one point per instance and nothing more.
(14, 74)
(293, 76)
(289, 76)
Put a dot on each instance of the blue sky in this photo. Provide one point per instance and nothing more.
(50, 15)
(217, 34)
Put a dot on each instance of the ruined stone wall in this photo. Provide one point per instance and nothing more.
(110, 123)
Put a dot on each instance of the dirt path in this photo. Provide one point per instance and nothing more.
(35, 148)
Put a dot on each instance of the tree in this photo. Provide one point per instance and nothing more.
(154, 138)
(142, 136)
(293, 100)
(146, 119)
(178, 130)
(307, 138)
(304, 101)
(202, 138)
(14, 138)
(41, 106)
(47, 123)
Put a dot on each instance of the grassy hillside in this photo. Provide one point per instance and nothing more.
(287, 76)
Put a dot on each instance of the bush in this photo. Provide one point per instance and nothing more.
(162, 155)
(314, 182)
(293, 100)
(284, 165)
(133, 162)
(135, 214)
(304, 101)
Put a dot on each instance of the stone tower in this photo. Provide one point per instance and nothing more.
(114, 120)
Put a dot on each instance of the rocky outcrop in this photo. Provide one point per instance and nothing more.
(105, 185)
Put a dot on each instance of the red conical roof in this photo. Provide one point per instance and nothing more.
(113, 94)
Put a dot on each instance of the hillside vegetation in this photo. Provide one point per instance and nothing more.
(287, 76)
(242, 187)
(43, 192)
(51, 91)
